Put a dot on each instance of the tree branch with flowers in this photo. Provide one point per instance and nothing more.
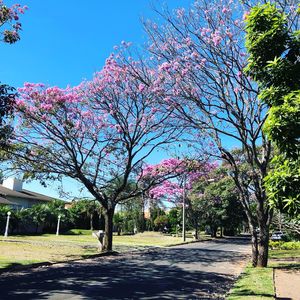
(9, 22)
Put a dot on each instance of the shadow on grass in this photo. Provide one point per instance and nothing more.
(11, 265)
(250, 293)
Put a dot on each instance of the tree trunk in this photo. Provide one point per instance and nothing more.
(253, 231)
(254, 244)
(108, 233)
(263, 249)
(196, 232)
(213, 231)
(91, 221)
(254, 249)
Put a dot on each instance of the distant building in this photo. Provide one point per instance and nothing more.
(13, 194)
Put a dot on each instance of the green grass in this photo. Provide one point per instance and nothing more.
(287, 259)
(282, 254)
(254, 283)
(149, 239)
(257, 283)
(28, 249)
(24, 251)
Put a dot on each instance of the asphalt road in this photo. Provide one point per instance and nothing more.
(203, 270)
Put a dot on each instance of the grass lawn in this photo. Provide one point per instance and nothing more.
(25, 249)
(257, 283)
(148, 239)
(282, 254)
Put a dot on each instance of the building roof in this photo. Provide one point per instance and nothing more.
(5, 201)
(23, 194)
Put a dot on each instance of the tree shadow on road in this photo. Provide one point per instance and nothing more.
(156, 274)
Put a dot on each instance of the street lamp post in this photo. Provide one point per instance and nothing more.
(183, 209)
(7, 224)
(58, 223)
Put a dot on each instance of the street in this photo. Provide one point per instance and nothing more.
(202, 270)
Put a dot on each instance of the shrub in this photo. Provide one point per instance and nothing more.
(281, 245)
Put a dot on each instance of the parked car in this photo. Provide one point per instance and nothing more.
(277, 236)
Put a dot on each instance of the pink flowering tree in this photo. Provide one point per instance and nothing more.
(9, 33)
(200, 57)
(99, 133)
(9, 22)
(179, 175)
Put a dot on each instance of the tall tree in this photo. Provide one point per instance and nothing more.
(200, 57)
(274, 63)
(99, 134)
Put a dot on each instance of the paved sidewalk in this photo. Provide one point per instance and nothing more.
(204, 270)
(287, 284)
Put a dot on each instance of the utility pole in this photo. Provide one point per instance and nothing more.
(183, 208)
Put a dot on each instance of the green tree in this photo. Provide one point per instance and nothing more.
(174, 218)
(155, 211)
(132, 214)
(215, 203)
(88, 207)
(223, 206)
(45, 215)
(274, 63)
(84, 211)
(161, 222)
(118, 222)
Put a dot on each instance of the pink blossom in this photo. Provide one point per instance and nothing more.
(225, 10)
(141, 87)
(216, 38)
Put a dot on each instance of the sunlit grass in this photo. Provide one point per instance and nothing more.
(148, 239)
(254, 284)
(28, 249)
(281, 254)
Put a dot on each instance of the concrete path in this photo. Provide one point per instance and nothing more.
(203, 270)
(287, 283)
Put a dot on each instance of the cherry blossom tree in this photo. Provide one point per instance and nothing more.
(99, 133)
(200, 57)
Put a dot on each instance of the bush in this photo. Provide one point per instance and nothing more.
(281, 245)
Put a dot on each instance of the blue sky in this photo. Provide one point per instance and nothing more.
(66, 41)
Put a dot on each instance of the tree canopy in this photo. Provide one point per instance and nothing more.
(274, 63)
